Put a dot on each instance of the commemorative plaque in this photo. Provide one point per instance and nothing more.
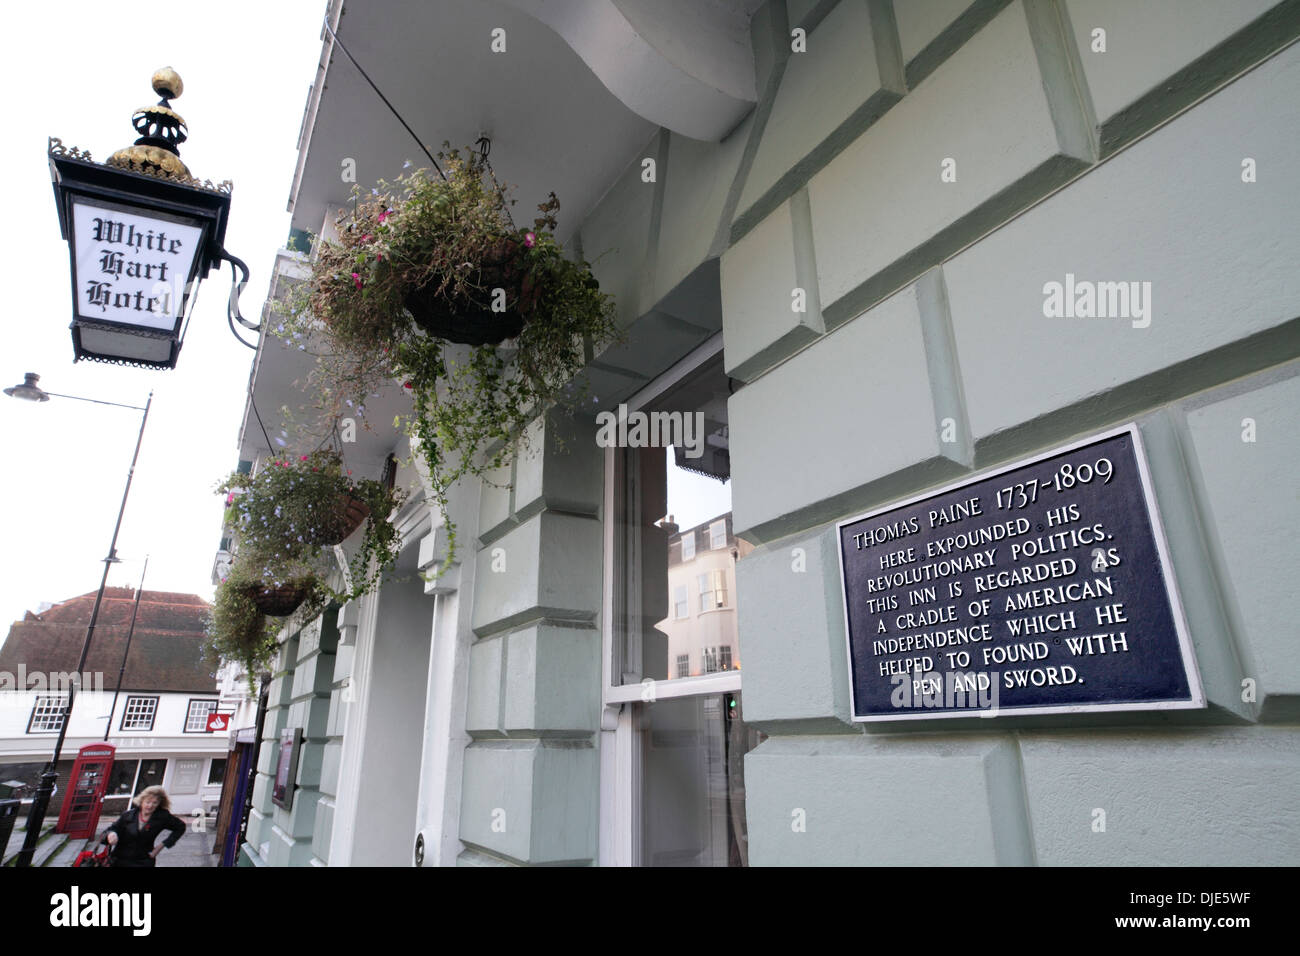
(1042, 587)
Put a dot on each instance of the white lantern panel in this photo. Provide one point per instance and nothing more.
(131, 268)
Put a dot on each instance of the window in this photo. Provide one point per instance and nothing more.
(47, 714)
(196, 718)
(667, 507)
(139, 713)
(713, 590)
(151, 774)
(123, 775)
(217, 771)
(681, 602)
(674, 794)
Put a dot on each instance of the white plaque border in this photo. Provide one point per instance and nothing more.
(1197, 699)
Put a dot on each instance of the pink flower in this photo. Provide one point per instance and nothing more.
(366, 238)
(385, 214)
(303, 458)
(356, 279)
(530, 239)
(407, 385)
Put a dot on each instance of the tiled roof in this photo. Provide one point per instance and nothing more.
(166, 649)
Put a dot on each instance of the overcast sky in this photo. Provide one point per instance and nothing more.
(77, 70)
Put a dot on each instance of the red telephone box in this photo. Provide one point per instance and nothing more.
(88, 783)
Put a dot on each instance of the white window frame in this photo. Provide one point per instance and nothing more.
(713, 586)
(189, 713)
(620, 755)
(682, 607)
(715, 528)
(689, 536)
(673, 687)
(42, 710)
(136, 718)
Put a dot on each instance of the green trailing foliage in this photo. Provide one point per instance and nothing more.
(286, 520)
(430, 284)
(237, 630)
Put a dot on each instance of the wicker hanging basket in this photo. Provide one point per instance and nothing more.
(349, 511)
(279, 601)
(473, 322)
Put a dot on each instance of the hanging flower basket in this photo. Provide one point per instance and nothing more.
(349, 512)
(471, 319)
(418, 265)
(281, 600)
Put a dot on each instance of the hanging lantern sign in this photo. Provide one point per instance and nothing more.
(141, 233)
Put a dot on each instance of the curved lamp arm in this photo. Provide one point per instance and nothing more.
(237, 284)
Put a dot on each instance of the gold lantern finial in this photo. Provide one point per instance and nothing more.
(167, 83)
(161, 130)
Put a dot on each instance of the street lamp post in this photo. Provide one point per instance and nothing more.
(30, 391)
(126, 651)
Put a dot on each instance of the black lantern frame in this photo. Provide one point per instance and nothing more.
(181, 200)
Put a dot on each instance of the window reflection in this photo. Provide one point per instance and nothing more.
(677, 613)
(693, 787)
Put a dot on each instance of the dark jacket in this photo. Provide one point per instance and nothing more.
(134, 844)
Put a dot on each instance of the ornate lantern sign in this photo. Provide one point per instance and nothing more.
(141, 233)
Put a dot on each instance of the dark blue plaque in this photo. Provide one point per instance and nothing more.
(1043, 587)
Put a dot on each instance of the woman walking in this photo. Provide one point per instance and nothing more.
(132, 836)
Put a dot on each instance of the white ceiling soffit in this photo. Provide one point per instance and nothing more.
(553, 124)
(686, 65)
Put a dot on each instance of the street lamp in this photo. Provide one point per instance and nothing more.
(141, 233)
(30, 391)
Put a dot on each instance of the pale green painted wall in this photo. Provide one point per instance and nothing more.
(925, 305)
